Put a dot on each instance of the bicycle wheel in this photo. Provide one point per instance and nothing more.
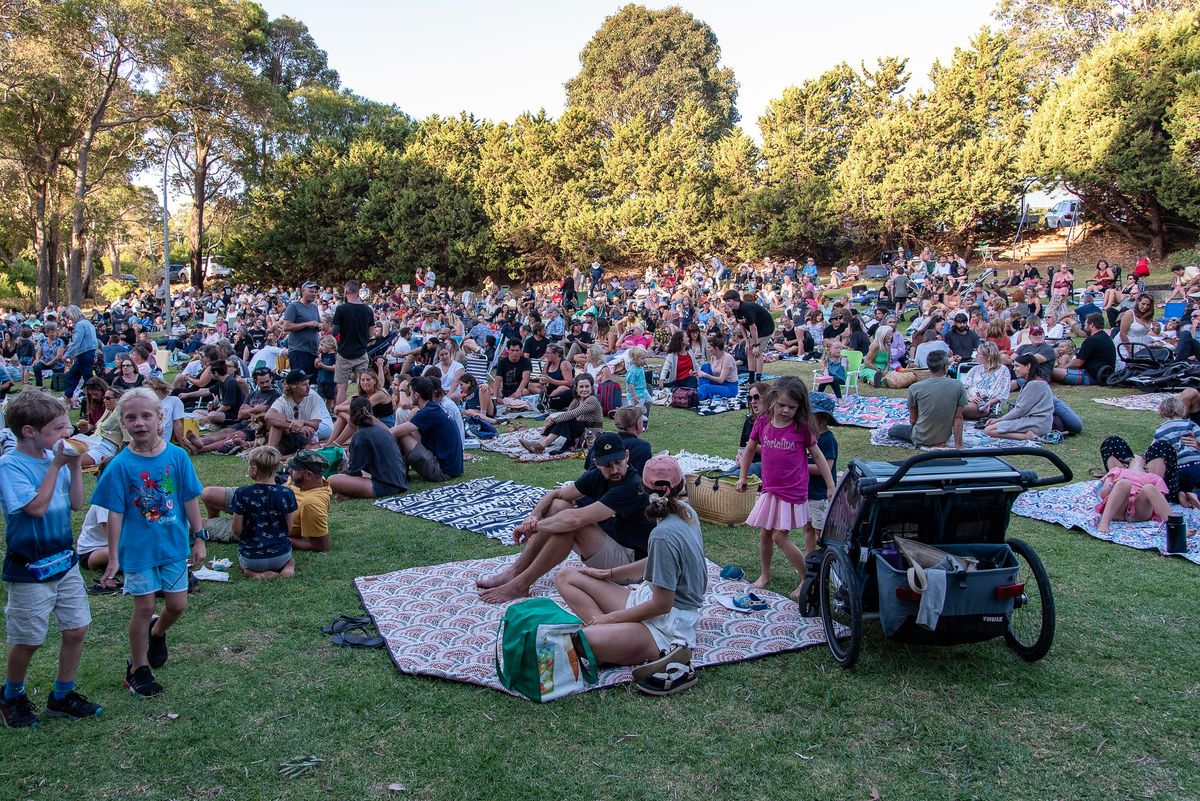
(841, 607)
(1031, 626)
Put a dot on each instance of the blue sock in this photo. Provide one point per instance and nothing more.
(11, 690)
(61, 688)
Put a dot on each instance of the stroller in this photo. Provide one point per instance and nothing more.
(958, 504)
(1151, 368)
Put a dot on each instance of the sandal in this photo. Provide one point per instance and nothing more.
(364, 640)
(343, 622)
(675, 678)
(678, 654)
(99, 589)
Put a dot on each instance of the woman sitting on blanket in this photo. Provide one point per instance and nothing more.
(651, 624)
(478, 410)
(880, 358)
(383, 408)
(987, 383)
(556, 380)
(584, 412)
(1032, 416)
(376, 466)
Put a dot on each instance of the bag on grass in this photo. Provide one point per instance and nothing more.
(609, 395)
(545, 655)
(684, 398)
(334, 456)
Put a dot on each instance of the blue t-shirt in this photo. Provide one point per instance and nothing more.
(150, 492)
(264, 509)
(440, 435)
(827, 443)
(33, 538)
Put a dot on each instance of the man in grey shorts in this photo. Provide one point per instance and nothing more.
(601, 516)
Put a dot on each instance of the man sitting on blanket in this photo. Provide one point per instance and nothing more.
(601, 516)
(935, 408)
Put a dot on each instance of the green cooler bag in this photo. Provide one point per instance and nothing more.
(545, 655)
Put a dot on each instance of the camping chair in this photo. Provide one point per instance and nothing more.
(1174, 310)
(853, 360)
(476, 365)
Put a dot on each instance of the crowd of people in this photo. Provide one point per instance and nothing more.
(350, 392)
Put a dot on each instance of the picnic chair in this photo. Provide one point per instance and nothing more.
(476, 366)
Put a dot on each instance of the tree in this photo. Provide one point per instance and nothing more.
(1109, 132)
(647, 64)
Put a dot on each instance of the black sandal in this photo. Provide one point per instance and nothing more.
(365, 640)
(343, 622)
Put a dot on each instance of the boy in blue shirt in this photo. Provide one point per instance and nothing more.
(152, 495)
(40, 571)
(823, 408)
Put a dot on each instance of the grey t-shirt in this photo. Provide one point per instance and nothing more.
(306, 339)
(675, 559)
(936, 400)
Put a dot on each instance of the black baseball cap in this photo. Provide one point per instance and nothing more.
(609, 448)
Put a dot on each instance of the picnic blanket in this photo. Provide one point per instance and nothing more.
(871, 412)
(701, 462)
(736, 403)
(1074, 506)
(510, 445)
(488, 506)
(1136, 403)
(975, 438)
(436, 625)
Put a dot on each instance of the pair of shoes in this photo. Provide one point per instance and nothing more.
(732, 572)
(156, 653)
(141, 682)
(19, 712)
(365, 639)
(677, 654)
(343, 622)
(750, 601)
(72, 705)
(674, 678)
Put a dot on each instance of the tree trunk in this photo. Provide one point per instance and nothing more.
(1157, 232)
(114, 255)
(89, 259)
(199, 185)
(41, 244)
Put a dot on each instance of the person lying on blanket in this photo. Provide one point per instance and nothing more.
(1132, 493)
(629, 625)
(600, 516)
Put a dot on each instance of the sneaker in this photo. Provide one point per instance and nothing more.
(141, 681)
(156, 653)
(72, 705)
(19, 713)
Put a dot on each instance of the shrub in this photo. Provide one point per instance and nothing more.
(1185, 257)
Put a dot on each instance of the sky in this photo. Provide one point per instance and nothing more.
(499, 59)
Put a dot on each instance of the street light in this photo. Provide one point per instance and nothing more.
(167, 239)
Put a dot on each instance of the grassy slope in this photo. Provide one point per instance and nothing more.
(1110, 713)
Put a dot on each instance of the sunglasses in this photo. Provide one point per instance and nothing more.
(755, 397)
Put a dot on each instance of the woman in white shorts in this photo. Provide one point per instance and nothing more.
(109, 436)
(652, 622)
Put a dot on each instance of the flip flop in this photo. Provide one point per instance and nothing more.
(364, 640)
(100, 589)
(675, 678)
(677, 654)
(343, 622)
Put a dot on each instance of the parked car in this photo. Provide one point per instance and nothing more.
(1064, 214)
(214, 269)
(129, 278)
(179, 273)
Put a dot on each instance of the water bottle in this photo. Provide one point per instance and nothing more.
(1176, 534)
(891, 554)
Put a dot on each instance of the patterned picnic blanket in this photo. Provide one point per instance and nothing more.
(736, 403)
(510, 445)
(436, 625)
(1074, 506)
(974, 439)
(701, 462)
(488, 506)
(1136, 403)
(871, 412)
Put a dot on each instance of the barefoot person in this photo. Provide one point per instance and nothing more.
(656, 618)
(600, 516)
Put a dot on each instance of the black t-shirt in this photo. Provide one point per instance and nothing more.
(962, 343)
(1097, 351)
(749, 314)
(860, 342)
(629, 525)
(583, 338)
(233, 396)
(353, 322)
(789, 336)
(510, 373)
(536, 348)
(833, 331)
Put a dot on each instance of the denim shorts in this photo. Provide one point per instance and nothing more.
(263, 565)
(168, 578)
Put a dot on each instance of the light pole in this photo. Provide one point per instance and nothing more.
(167, 239)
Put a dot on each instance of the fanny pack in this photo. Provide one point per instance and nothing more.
(49, 567)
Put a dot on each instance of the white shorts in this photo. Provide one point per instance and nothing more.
(677, 627)
(99, 448)
(816, 513)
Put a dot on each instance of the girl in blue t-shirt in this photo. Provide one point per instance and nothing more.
(152, 493)
(262, 517)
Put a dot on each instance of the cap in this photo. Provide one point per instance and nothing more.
(662, 471)
(309, 285)
(1036, 332)
(960, 318)
(822, 403)
(609, 448)
(295, 377)
(309, 460)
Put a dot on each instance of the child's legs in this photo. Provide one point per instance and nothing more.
(1114, 505)
(1150, 502)
(139, 637)
(70, 652)
(790, 550)
(766, 550)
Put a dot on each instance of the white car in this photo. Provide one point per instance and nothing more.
(1064, 214)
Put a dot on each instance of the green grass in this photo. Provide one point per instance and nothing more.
(1111, 713)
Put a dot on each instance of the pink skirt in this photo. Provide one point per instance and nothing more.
(776, 514)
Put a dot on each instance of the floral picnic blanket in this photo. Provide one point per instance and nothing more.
(1136, 403)
(974, 437)
(1074, 506)
(871, 412)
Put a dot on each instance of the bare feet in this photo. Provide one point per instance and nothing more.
(1102, 527)
(795, 594)
(762, 581)
(504, 593)
(503, 577)
(289, 569)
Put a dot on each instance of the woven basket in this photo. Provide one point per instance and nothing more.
(715, 498)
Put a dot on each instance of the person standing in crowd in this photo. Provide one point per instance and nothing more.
(302, 323)
(758, 324)
(352, 321)
(80, 354)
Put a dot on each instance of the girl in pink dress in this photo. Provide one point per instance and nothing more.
(1132, 494)
(785, 435)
